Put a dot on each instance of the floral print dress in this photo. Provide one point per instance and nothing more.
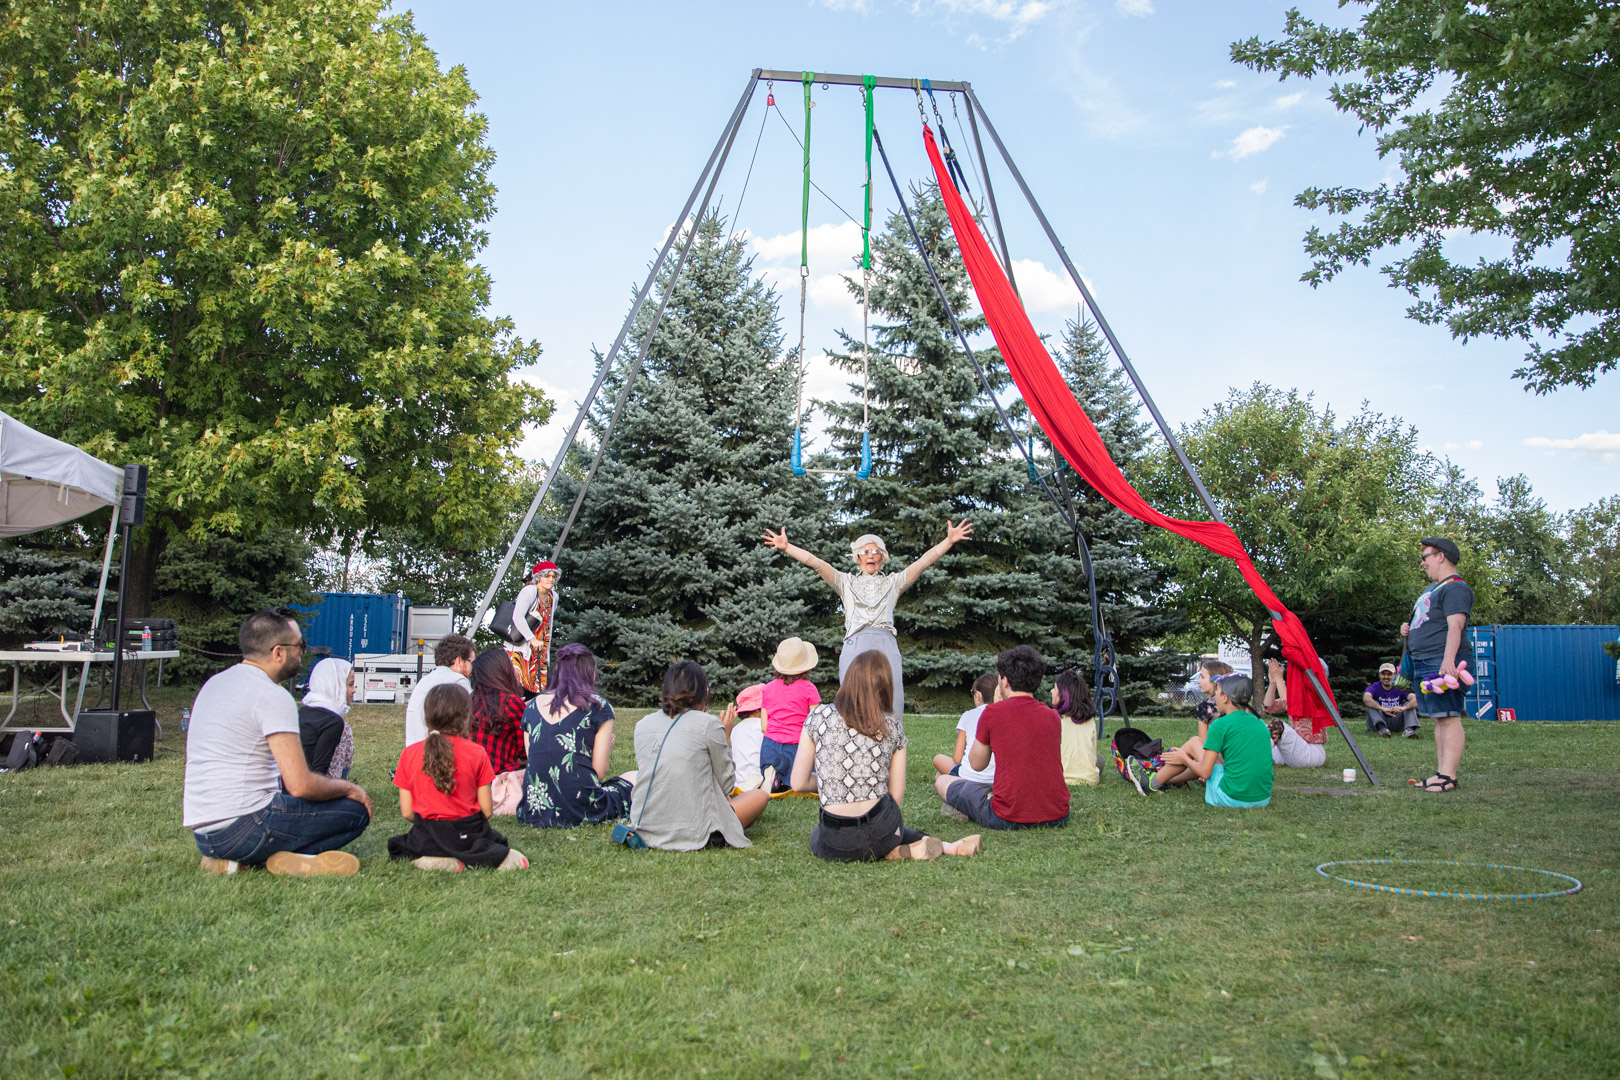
(560, 789)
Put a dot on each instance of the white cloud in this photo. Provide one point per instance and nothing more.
(1599, 444)
(1258, 187)
(1289, 101)
(830, 245)
(1225, 84)
(1252, 141)
(1137, 8)
(1013, 18)
(1046, 290)
(1108, 113)
(1471, 444)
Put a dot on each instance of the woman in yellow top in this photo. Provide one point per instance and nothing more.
(1071, 697)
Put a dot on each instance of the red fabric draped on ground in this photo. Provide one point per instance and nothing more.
(1073, 433)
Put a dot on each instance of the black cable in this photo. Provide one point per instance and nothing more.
(813, 184)
(763, 117)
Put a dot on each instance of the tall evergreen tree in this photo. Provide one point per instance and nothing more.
(1131, 588)
(665, 560)
(940, 452)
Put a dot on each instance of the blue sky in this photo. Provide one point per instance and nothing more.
(1168, 172)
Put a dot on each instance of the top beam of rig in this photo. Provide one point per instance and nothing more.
(856, 80)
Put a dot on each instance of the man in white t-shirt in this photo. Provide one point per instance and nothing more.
(452, 663)
(249, 796)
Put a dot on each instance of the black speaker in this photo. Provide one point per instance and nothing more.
(132, 511)
(103, 735)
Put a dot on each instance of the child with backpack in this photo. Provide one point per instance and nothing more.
(1236, 756)
(444, 790)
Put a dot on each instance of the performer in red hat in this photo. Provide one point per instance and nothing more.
(532, 615)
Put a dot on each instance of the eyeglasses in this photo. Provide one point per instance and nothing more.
(301, 643)
(1426, 556)
(868, 553)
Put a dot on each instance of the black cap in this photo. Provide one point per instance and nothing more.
(1448, 548)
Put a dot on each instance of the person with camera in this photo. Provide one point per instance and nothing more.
(528, 635)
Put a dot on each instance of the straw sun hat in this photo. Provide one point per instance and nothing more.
(795, 656)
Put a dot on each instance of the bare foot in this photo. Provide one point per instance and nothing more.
(968, 845)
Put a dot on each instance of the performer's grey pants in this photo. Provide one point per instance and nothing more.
(882, 641)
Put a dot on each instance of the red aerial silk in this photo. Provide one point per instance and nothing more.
(1075, 437)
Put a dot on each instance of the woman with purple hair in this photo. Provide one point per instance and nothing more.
(1071, 697)
(570, 733)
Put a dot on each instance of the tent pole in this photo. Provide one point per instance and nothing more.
(608, 361)
(95, 613)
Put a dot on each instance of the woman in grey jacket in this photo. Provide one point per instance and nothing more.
(684, 773)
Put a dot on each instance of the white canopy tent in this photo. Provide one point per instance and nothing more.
(46, 482)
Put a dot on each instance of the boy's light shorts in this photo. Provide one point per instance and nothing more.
(1214, 796)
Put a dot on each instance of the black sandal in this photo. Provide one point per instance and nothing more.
(1447, 783)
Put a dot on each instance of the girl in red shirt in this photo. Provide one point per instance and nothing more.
(443, 786)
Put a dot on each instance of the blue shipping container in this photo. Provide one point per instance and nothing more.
(350, 623)
(1544, 673)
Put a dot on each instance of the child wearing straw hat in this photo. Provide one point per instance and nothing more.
(787, 700)
(869, 596)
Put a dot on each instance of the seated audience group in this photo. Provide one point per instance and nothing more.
(265, 780)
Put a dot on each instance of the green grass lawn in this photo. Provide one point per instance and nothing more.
(1151, 937)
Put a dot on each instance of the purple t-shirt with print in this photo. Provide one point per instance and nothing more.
(1390, 698)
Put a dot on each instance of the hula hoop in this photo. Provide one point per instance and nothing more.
(1323, 870)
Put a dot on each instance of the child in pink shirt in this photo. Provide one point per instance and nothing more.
(788, 699)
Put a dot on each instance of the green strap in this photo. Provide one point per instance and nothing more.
(870, 82)
(804, 216)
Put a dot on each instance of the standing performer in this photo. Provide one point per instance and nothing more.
(532, 615)
(869, 596)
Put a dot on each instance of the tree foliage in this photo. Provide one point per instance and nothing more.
(237, 242)
(1594, 545)
(665, 560)
(1331, 513)
(1501, 119)
(48, 581)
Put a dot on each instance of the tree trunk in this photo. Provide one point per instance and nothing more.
(144, 553)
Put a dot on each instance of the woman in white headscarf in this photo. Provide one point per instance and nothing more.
(869, 596)
(328, 740)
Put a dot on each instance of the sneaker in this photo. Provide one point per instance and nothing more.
(767, 779)
(1383, 730)
(448, 865)
(1411, 733)
(952, 812)
(339, 863)
(211, 865)
(515, 860)
(1140, 776)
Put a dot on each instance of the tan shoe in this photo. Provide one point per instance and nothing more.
(515, 860)
(923, 850)
(339, 863)
(767, 780)
(439, 862)
(211, 865)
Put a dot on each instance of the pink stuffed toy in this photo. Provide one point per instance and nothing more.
(1442, 683)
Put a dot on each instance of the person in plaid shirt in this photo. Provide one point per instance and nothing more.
(497, 715)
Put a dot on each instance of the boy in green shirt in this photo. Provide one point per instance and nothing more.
(1236, 760)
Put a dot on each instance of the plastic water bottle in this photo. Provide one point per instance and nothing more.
(146, 639)
(185, 718)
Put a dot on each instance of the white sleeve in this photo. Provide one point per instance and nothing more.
(521, 608)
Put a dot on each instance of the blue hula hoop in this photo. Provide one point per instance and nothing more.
(1323, 870)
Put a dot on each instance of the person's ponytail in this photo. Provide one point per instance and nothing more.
(446, 711)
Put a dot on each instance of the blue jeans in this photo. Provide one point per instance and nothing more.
(781, 755)
(287, 824)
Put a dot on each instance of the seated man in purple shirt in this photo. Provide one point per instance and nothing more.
(1389, 708)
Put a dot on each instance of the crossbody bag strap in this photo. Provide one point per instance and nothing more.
(653, 772)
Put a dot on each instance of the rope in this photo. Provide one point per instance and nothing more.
(763, 117)
(1574, 888)
(819, 189)
(867, 101)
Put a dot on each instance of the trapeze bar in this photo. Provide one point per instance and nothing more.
(859, 80)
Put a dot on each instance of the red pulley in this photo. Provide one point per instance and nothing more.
(770, 99)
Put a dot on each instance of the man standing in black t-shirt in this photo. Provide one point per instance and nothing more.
(1434, 638)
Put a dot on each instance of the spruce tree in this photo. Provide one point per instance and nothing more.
(1131, 589)
(48, 581)
(939, 453)
(665, 560)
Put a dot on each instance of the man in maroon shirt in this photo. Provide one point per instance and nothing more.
(1026, 737)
